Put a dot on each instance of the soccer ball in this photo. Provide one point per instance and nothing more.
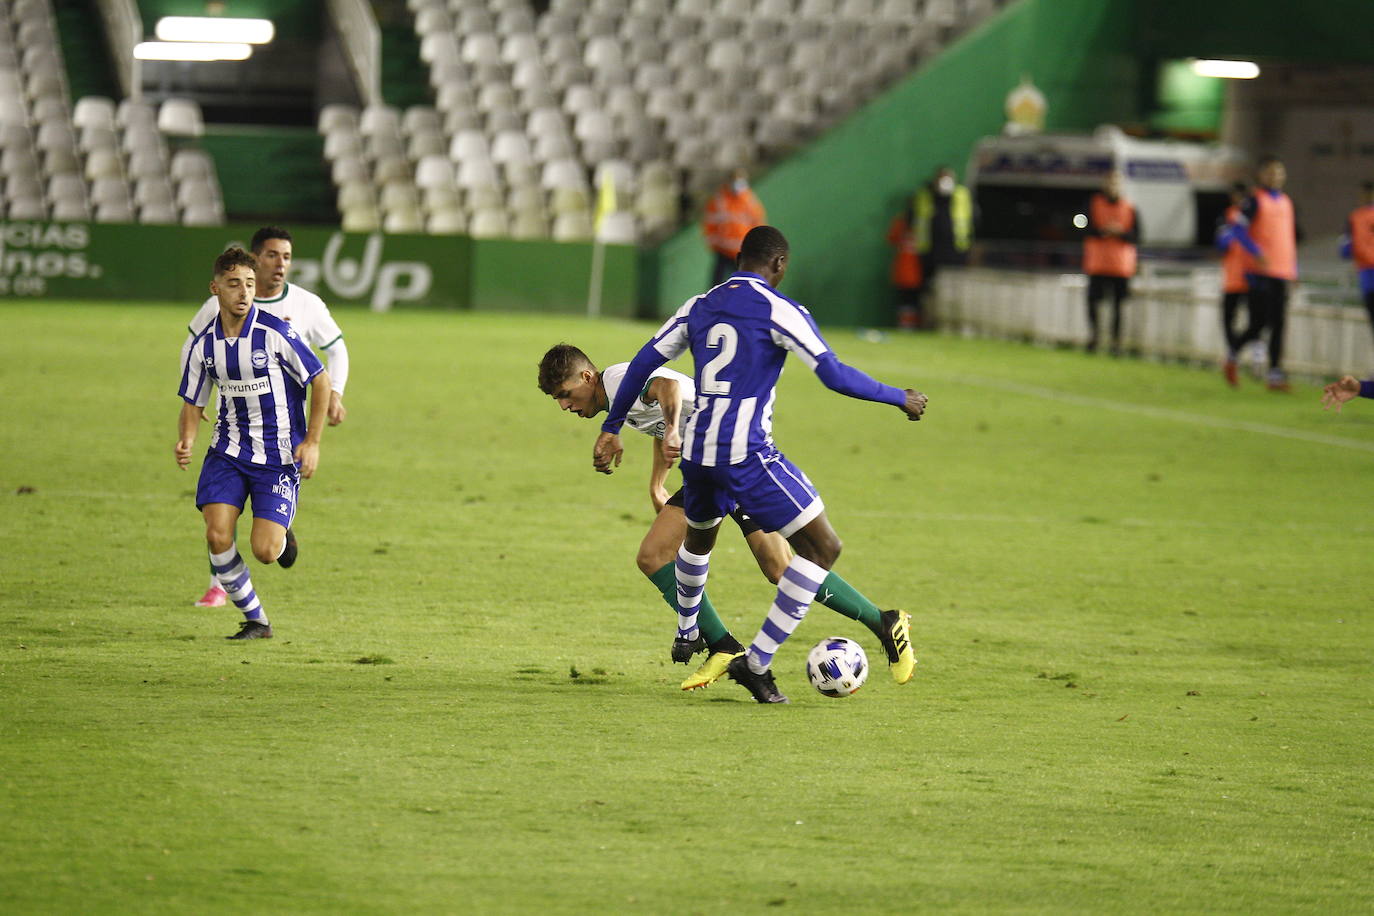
(837, 666)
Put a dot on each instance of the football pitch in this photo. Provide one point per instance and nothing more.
(1141, 603)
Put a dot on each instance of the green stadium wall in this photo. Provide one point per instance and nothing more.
(834, 199)
(63, 261)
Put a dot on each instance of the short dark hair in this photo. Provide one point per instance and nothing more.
(561, 361)
(1240, 187)
(266, 234)
(1267, 159)
(234, 257)
(1367, 187)
(762, 244)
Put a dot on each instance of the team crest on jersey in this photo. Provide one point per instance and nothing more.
(291, 333)
(209, 362)
(259, 359)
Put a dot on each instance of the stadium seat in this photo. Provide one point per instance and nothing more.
(618, 229)
(391, 168)
(180, 118)
(153, 191)
(529, 225)
(158, 213)
(114, 212)
(336, 117)
(27, 208)
(355, 194)
(467, 145)
(132, 113)
(433, 200)
(103, 163)
(447, 222)
(360, 219)
(477, 173)
(94, 111)
(563, 173)
(405, 220)
(379, 120)
(202, 215)
(484, 197)
(71, 210)
(434, 171)
(398, 195)
(572, 227)
(488, 224)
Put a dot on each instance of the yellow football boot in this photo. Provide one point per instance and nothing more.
(710, 671)
(901, 661)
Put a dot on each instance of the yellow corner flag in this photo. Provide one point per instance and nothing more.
(605, 199)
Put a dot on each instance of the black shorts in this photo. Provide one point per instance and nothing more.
(747, 525)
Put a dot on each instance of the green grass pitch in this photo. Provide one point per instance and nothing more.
(1141, 603)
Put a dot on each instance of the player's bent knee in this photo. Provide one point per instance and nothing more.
(267, 549)
(219, 540)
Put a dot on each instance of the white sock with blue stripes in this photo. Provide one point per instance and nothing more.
(690, 569)
(796, 590)
(233, 577)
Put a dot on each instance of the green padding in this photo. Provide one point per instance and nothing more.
(174, 263)
(299, 19)
(550, 277)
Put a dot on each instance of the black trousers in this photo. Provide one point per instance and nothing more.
(1119, 288)
(723, 267)
(1230, 305)
(1268, 309)
(1369, 306)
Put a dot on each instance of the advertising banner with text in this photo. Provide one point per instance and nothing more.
(174, 263)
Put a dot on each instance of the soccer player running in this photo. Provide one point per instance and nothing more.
(262, 444)
(304, 311)
(668, 400)
(740, 333)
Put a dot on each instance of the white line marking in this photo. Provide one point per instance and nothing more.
(1156, 413)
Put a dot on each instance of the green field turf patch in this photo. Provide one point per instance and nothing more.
(1140, 601)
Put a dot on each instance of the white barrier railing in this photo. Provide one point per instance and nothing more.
(124, 30)
(1174, 313)
(362, 43)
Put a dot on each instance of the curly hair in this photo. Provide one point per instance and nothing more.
(234, 257)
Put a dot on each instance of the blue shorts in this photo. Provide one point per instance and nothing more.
(274, 487)
(770, 489)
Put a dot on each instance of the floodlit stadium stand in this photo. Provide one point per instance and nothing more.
(534, 115)
(94, 160)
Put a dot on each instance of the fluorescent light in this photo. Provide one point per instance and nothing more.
(1227, 69)
(191, 50)
(214, 28)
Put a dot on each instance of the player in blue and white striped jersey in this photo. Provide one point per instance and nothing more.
(740, 333)
(304, 311)
(262, 443)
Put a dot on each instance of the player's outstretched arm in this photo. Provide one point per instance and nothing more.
(307, 454)
(847, 380)
(1337, 393)
(187, 424)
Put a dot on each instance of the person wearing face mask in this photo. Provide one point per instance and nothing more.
(1109, 255)
(730, 214)
(942, 220)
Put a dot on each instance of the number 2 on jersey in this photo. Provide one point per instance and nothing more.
(724, 337)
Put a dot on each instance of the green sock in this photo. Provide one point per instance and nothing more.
(843, 598)
(708, 621)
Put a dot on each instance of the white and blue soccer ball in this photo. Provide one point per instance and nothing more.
(837, 666)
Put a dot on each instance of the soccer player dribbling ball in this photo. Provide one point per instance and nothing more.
(740, 333)
(305, 312)
(261, 443)
(668, 400)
